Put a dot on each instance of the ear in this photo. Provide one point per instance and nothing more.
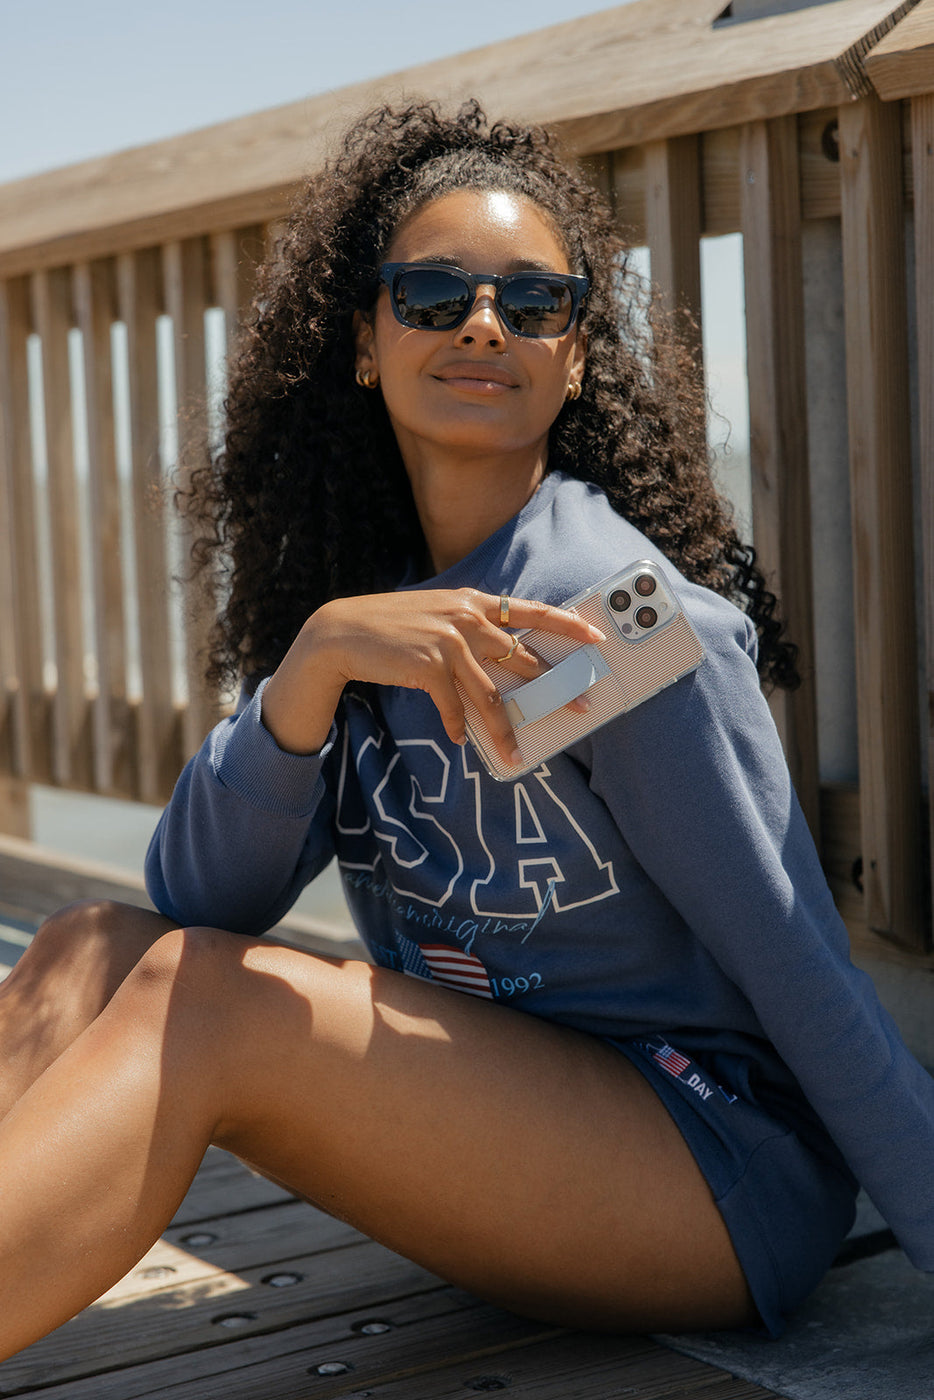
(365, 343)
(578, 359)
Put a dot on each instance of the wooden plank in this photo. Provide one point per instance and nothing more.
(96, 311)
(284, 1363)
(778, 442)
(585, 1366)
(922, 123)
(139, 303)
(881, 496)
(185, 274)
(174, 1321)
(235, 258)
(633, 73)
(52, 318)
(902, 64)
(673, 229)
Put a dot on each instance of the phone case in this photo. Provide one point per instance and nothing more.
(649, 645)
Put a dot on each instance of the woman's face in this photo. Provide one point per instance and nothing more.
(479, 388)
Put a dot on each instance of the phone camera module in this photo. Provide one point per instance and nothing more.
(620, 600)
(644, 585)
(646, 617)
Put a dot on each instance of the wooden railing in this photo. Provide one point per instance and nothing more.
(110, 305)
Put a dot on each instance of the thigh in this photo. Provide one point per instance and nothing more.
(525, 1161)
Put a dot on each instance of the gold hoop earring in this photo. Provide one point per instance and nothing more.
(366, 379)
(573, 392)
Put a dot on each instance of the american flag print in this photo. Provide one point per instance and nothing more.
(670, 1060)
(457, 969)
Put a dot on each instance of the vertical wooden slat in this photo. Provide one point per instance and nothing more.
(95, 312)
(52, 318)
(673, 220)
(778, 442)
(16, 564)
(922, 148)
(139, 302)
(881, 489)
(185, 273)
(234, 260)
(32, 743)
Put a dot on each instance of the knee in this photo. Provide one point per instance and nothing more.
(202, 966)
(74, 925)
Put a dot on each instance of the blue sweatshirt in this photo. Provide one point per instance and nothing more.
(656, 878)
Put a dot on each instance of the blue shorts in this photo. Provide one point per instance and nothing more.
(785, 1195)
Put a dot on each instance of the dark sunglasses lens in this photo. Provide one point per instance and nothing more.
(537, 305)
(430, 298)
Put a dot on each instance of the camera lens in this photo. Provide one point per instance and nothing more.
(644, 585)
(646, 617)
(620, 600)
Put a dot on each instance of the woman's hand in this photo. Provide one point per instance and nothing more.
(420, 640)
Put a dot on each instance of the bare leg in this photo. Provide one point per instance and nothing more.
(524, 1161)
(63, 981)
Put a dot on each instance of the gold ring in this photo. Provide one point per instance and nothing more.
(504, 611)
(515, 643)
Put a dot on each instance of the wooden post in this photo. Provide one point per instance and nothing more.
(778, 439)
(185, 274)
(52, 318)
(14, 746)
(95, 309)
(922, 145)
(881, 491)
(139, 300)
(673, 227)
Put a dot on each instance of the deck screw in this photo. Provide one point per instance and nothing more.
(488, 1383)
(282, 1280)
(157, 1271)
(371, 1329)
(198, 1241)
(234, 1319)
(331, 1368)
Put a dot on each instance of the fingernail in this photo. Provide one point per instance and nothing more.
(597, 635)
(515, 758)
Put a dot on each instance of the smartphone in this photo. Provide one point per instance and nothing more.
(649, 645)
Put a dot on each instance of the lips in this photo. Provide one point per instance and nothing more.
(471, 372)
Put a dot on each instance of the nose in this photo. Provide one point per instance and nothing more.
(483, 322)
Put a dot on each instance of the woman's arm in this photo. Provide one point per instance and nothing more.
(697, 782)
(249, 822)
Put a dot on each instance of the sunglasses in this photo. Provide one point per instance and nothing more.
(436, 297)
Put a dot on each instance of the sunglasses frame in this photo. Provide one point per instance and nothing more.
(390, 272)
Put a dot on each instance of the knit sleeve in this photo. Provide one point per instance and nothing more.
(247, 827)
(697, 781)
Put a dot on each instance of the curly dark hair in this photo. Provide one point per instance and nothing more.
(309, 499)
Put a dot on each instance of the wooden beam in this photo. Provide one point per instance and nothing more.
(902, 64)
(778, 440)
(637, 72)
(922, 123)
(881, 492)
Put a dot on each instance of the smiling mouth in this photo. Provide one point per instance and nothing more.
(477, 380)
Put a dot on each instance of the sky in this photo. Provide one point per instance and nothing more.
(85, 77)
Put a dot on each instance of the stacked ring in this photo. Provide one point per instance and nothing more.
(504, 610)
(515, 643)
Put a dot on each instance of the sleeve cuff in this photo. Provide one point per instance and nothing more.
(247, 760)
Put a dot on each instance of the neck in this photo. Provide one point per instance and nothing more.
(461, 504)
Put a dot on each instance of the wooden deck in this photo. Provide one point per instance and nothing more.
(252, 1295)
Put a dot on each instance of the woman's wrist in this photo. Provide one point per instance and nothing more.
(301, 697)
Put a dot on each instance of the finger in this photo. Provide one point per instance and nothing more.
(488, 703)
(526, 613)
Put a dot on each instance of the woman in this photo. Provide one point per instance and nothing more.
(634, 1121)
